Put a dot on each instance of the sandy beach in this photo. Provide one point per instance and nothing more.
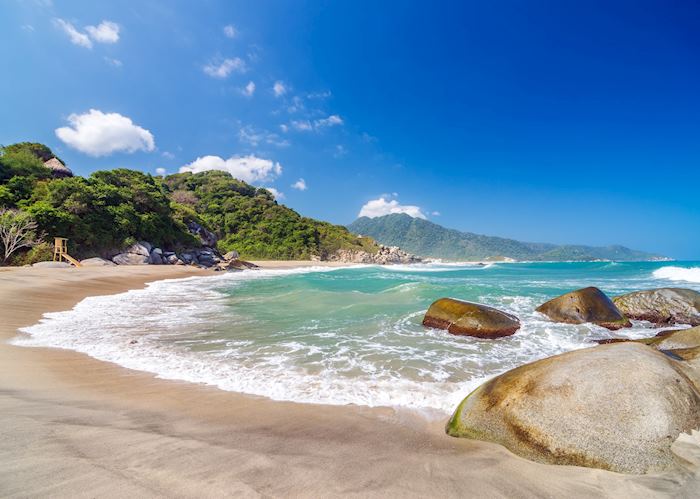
(71, 426)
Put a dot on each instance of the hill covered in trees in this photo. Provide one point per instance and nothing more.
(428, 239)
(110, 210)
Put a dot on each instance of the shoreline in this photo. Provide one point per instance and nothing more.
(71, 424)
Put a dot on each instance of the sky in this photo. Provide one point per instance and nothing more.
(550, 121)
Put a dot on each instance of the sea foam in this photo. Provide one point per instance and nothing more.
(691, 274)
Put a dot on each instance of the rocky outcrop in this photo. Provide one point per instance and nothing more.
(470, 319)
(662, 306)
(385, 256)
(617, 407)
(58, 169)
(136, 254)
(207, 237)
(585, 305)
(96, 262)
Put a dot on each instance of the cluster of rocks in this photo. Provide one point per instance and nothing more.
(616, 406)
(144, 253)
(386, 255)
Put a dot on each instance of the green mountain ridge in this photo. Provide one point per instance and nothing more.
(430, 240)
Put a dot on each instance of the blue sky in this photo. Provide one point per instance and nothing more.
(565, 122)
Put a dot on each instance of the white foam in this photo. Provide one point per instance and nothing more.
(691, 274)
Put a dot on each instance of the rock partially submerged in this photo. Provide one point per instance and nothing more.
(617, 407)
(585, 305)
(470, 319)
(662, 306)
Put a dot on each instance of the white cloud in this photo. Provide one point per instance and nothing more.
(435, 213)
(75, 36)
(385, 206)
(296, 105)
(27, 27)
(279, 89)
(105, 32)
(230, 31)
(319, 95)
(100, 134)
(332, 120)
(284, 128)
(113, 62)
(225, 67)
(247, 168)
(277, 194)
(167, 155)
(254, 137)
(299, 185)
(249, 89)
(302, 125)
(160, 171)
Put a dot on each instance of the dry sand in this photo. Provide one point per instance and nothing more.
(71, 426)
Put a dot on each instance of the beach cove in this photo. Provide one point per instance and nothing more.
(75, 426)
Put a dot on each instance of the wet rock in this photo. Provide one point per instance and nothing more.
(662, 306)
(617, 407)
(585, 305)
(470, 319)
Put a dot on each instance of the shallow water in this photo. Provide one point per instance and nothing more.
(343, 336)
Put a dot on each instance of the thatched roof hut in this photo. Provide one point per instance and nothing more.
(58, 169)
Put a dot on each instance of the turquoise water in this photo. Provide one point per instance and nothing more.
(344, 336)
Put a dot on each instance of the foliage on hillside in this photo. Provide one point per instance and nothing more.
(110, 210)
(249, 220)
(428, 239)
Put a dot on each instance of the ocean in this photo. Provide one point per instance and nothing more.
(344, 335)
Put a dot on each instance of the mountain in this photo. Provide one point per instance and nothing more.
(428, 239)
(112, 209)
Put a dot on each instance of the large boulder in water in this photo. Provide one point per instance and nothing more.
(662, 306)
(470, 319)
(585, 305)
(617, 407)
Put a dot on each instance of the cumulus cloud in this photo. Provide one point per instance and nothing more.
(105, 32)
(302, 125)
(384, 205)
(230, 31)
(160, 171)
(100, 134)
(299, 185)
(279, 89)
(332, 120)
(249, 89)
(247, 168)
(277, 194)
(76, 37)
(224, 68)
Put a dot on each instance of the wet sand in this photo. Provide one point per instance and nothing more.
(72, 426)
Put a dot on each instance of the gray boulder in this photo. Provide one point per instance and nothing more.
(617, 407)
(208, 238)
(131, 259)
(96, 262)
(662, 306)
(231, 255)
(156, 256)
(172, 259)
(52, 265)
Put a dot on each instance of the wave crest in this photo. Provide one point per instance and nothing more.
(691, 274)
